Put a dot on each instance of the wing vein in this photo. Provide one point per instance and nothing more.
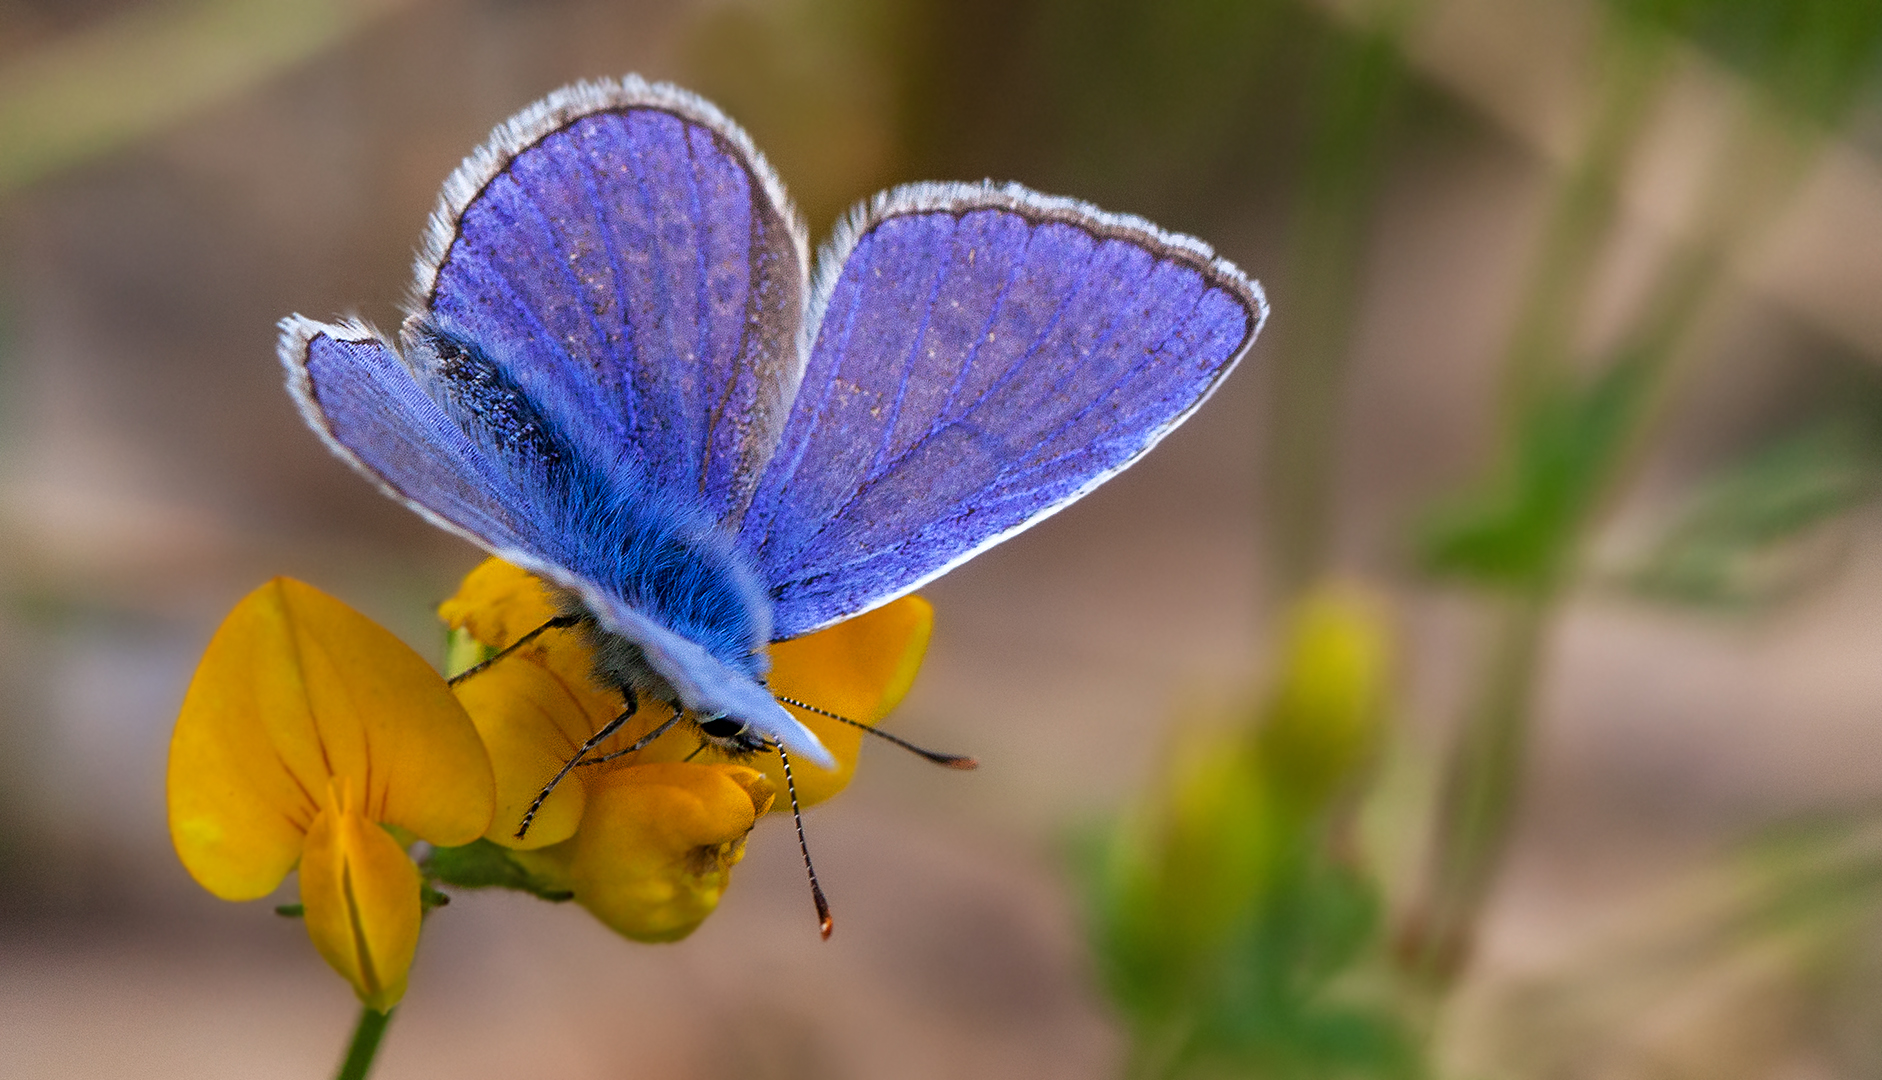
(870, 481)
(865, 255)
(1112, 325)
(993, 316)
(658, 268)
(1058, 314)
(914, 353)
(702, 334)
(510, 292)
(591, 190)
(547, 223)
(1117, 384)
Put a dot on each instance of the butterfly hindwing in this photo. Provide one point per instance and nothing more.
(362, 399)
(630, 261)
(982, 357)
(477, 462)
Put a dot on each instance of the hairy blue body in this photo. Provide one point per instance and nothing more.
(656, 549)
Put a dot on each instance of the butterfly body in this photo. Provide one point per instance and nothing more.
(619, 373)
(655, 549)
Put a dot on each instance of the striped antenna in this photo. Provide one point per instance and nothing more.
(824, 923)
(952, 761)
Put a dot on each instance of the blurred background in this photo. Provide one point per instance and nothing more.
(1485, 683)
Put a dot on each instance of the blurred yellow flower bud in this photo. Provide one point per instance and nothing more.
(1323, 719)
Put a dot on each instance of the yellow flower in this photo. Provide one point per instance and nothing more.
(656, 846)
(646, 841)
(306, 728)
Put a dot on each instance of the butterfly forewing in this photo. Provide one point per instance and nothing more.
(984, 357)
(629, 261)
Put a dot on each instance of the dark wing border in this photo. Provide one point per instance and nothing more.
(551, 114)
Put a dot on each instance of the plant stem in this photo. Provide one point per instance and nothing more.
(1759, 169)
(1479, 796)
(1358, 83)
(365, 1046)
(1633, 71)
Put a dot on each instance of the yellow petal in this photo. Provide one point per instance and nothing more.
(497, 603)
(360, 892)
(861, 668)
(238, 812)
(295, 689)
(658, 842)
(530, 726)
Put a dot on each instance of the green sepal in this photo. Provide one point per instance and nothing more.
(462, 652)
(481, 864)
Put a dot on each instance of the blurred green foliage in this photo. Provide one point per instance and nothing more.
(1519, 530)
(1772, 956)
(1742, 539)
(1239, 927)
(1236, 927)
(1814, 57)
(100, 90)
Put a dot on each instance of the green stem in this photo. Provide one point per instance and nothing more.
(1358, 84)
(1480, 794)
(365, 1045)
(1759, 169)
(1483, 778)
(1633, 71)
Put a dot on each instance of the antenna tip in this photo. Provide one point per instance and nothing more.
(825, 923)
(960, 762)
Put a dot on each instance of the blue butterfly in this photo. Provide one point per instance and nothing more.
(618, 373)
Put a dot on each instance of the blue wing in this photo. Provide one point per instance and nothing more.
(604, 340)
(361, 399)
(983, 357)
(477, 461)
(630, 261)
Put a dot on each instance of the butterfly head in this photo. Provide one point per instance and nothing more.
(731, 735)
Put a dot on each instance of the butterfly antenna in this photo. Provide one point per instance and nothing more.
(952, 761)
(824, 923)
(557, 623)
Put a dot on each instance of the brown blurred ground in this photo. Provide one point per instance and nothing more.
(152, 471)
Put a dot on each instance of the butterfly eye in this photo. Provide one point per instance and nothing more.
(722, 727)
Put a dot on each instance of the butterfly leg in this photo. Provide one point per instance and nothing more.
(599, 737)
(581, 755)
(643, 740)
(559, 622)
